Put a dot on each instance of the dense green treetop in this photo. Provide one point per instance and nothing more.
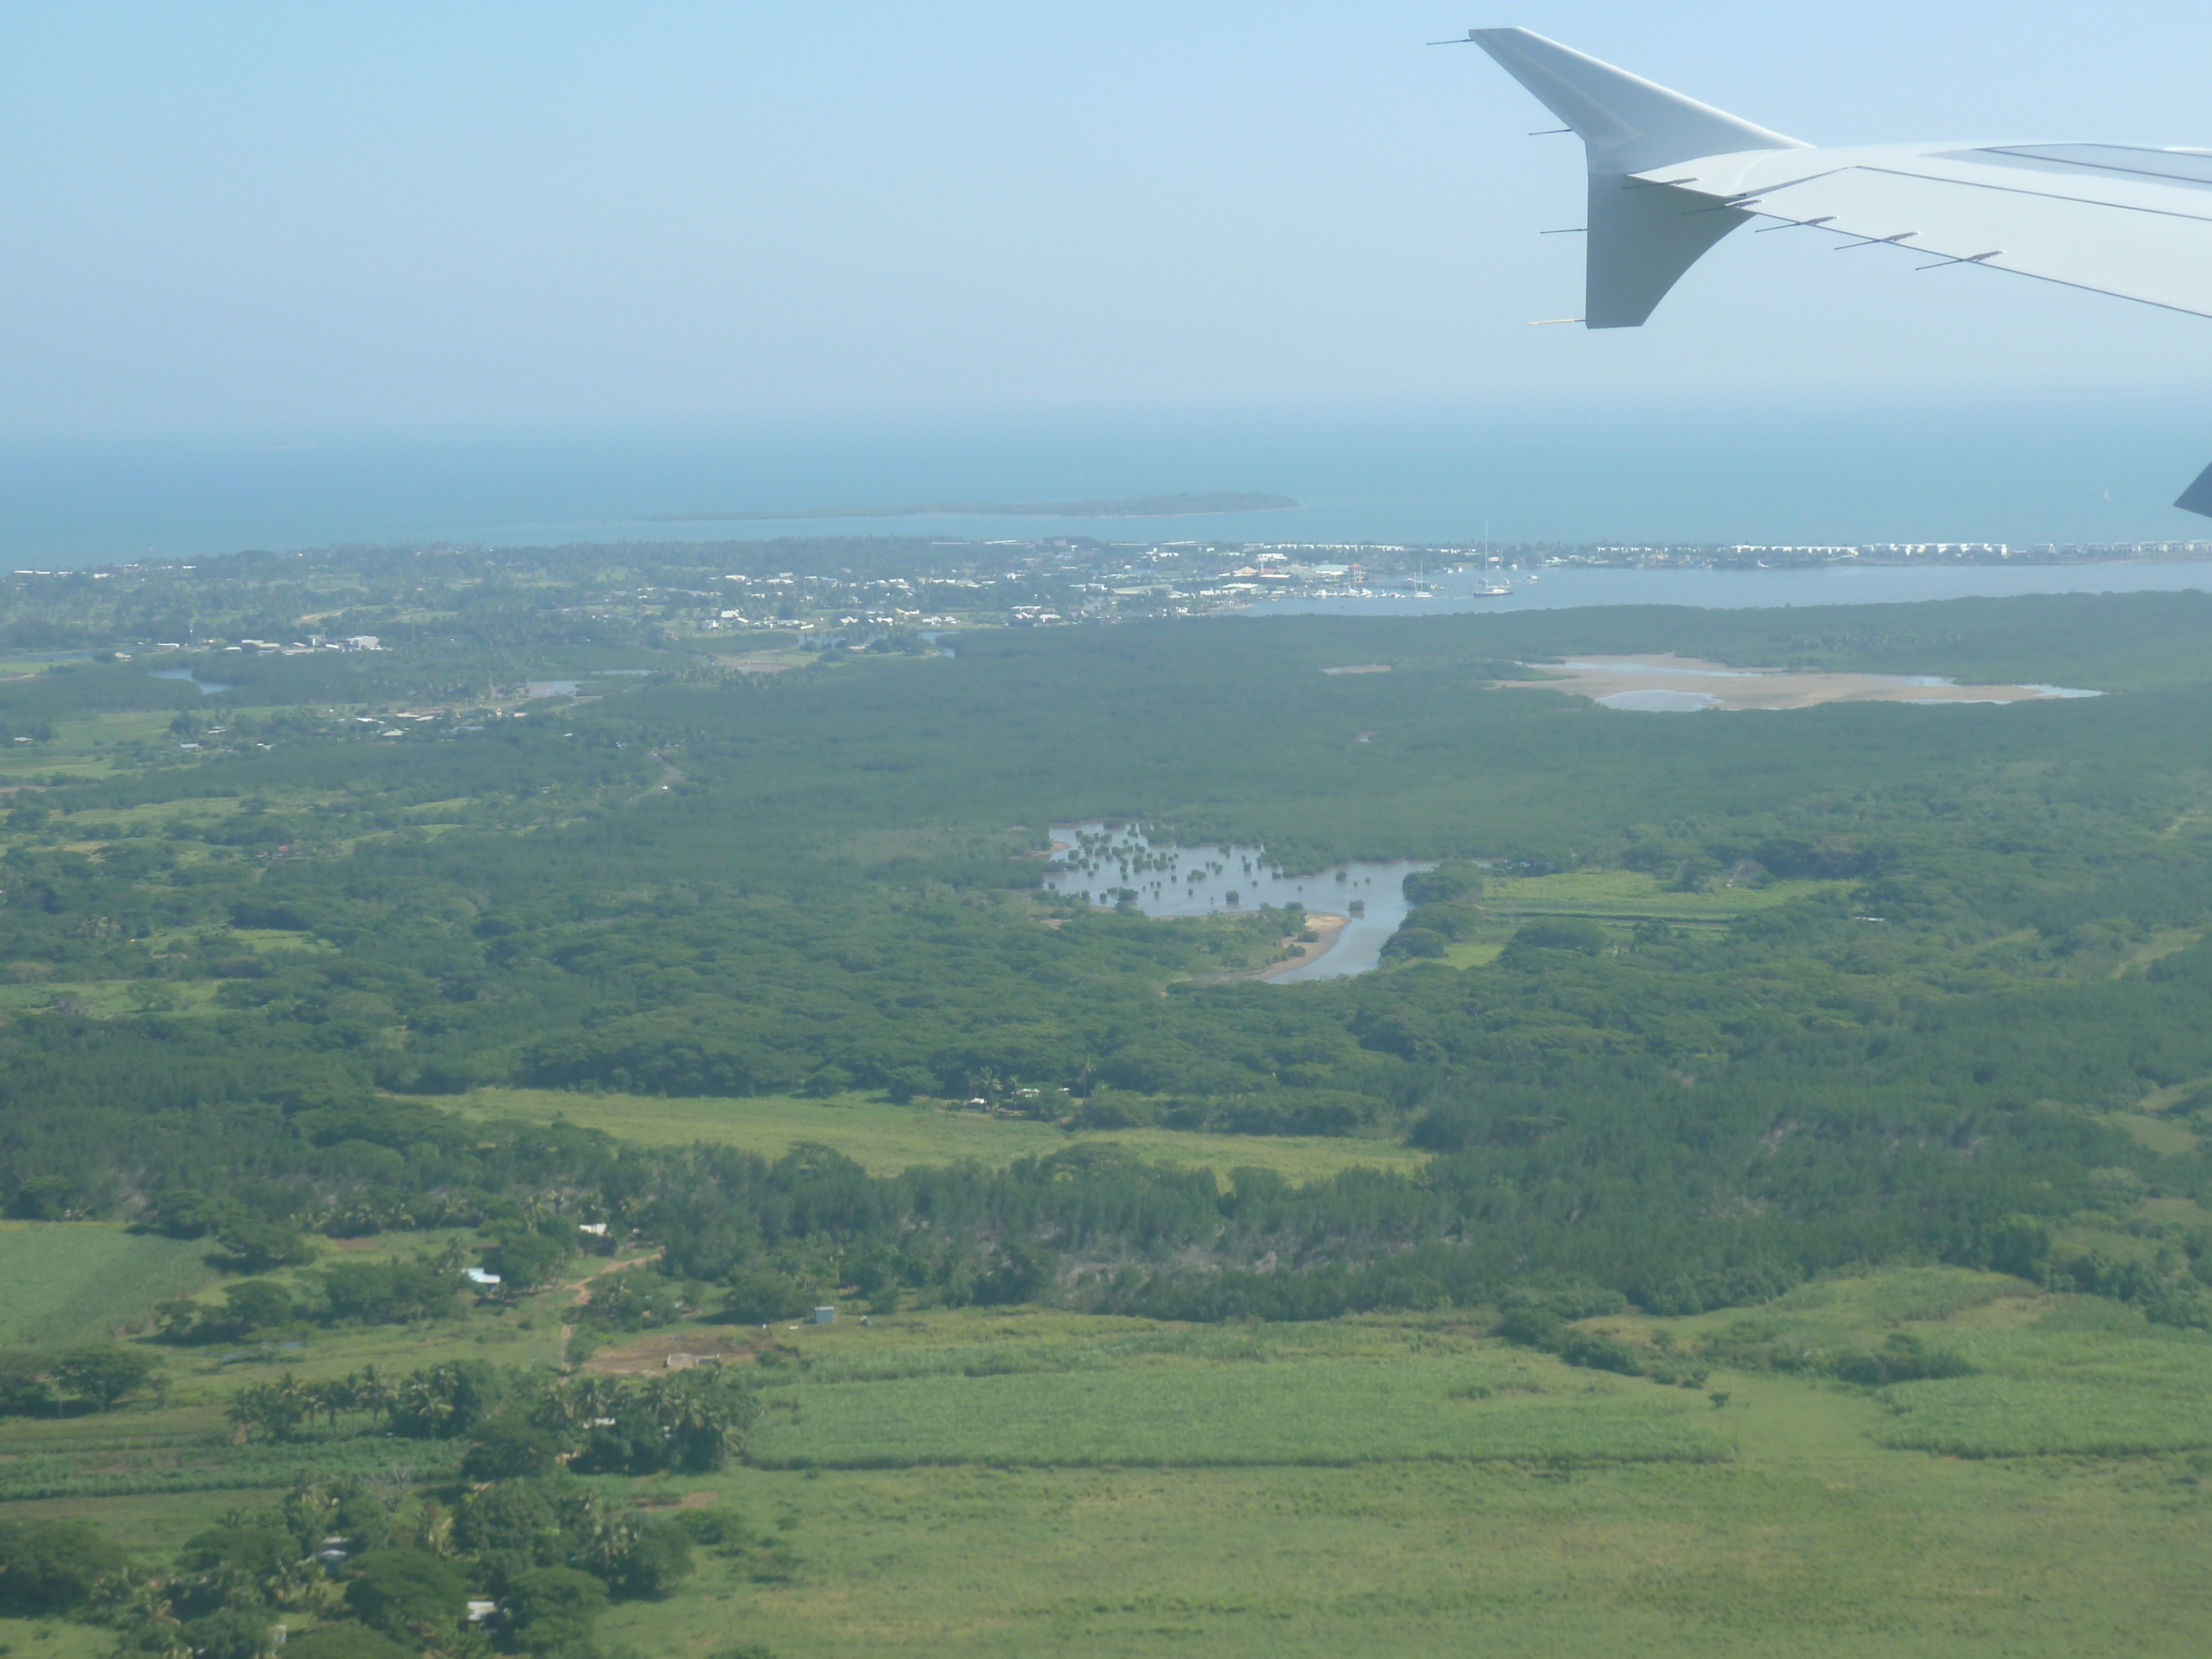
(1982, 933)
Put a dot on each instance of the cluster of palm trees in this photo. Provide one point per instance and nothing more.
(695, 1418)
(280, 1409)
(702, 1415)
(233, 1580)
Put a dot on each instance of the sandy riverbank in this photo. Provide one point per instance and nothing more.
(1664, 683)
(1323, 922)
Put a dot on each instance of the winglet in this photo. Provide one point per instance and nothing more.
(1628, 123)
(2197, 498)
(1643, 236)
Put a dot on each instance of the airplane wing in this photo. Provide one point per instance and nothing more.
(2114, 218)
(1669, 177)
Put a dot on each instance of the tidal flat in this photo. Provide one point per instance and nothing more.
(1665, 684)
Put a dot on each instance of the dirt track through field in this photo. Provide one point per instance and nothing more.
(582, 1292)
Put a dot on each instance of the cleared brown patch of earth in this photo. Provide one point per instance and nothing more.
(667, 1351)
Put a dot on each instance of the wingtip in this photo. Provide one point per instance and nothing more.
(2197, 498)
(1509, 34)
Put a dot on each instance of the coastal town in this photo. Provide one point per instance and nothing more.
(884, 593)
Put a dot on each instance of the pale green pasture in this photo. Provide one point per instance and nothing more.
(2085, 1342)
(2166, 942)
(886, 1139)
(77, 1281)
(1486, 1405)
(1390, 1484)
(2004, 1417)
(2051, 1374)
(48, 1639)
(153, 818)
(2165, 1100)
(1635, 894)
(264, 941)
(1903, 1555)
(2160, 1135)
(1473, 953)
(1816, 1535)
(78, 746)
(153, 1526)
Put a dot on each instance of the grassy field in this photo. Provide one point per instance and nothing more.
(1217, 1530)
(1477, 1406)
(885, 1139)
(1012, 1481)
(2001, 1417)
(79, 748)
(1618, 898)
(143, 1455)
(1801, 1555)
(46, 1639)
(1634, 895)
(70, 1282)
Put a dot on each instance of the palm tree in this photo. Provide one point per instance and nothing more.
(277, 1408)
(579, 1402)
(330, 1398)
(370, 1391)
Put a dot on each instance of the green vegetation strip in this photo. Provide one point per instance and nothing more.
(68, 1282)
(208, 1463)
(2005, 1417)
(1308, 1413)
(885, 1139)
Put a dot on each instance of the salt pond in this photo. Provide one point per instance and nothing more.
(1670, 684)
(1110, 864)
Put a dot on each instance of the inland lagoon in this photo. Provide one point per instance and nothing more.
(1117, 864)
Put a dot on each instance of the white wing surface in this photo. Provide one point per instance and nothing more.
(2114, 218)
(1669, 177)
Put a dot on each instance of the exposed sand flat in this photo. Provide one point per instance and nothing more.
(1321, 922)
(1670, 684)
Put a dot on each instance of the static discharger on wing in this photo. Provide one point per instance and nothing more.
(1669, 177)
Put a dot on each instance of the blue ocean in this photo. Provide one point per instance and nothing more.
(2022, 471)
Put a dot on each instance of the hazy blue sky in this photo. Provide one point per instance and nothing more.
(267, 217)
